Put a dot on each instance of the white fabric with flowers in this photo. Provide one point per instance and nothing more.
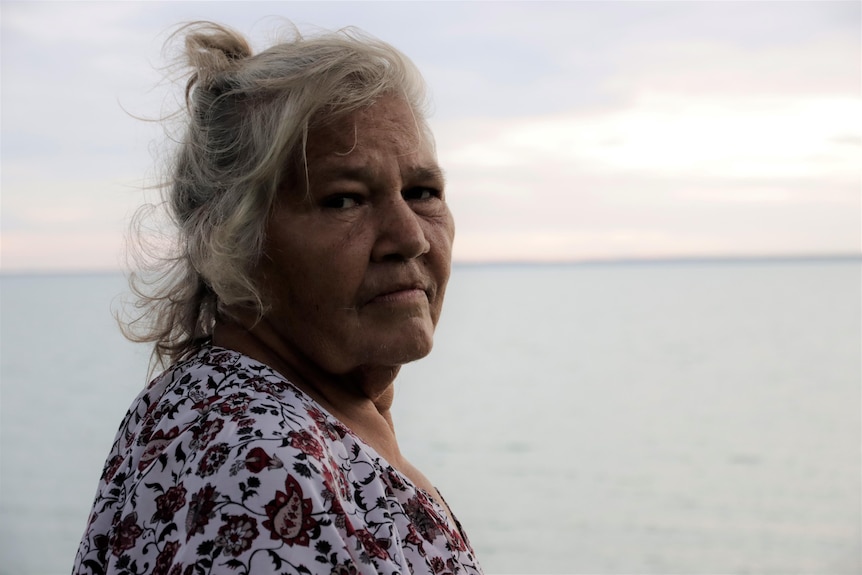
(221, 466)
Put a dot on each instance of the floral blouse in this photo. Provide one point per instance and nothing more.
(221, 466)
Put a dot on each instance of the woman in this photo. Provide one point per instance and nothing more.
(314, 252)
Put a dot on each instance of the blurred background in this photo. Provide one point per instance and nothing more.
(649, 360)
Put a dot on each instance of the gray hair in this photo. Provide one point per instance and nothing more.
(247, 119)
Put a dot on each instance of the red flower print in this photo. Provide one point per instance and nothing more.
(414, 539)
(318, 416)
(156, 445)
(261, 385)
(437, 565)
(177, 569)
(166, 558)
(335, 482)
(222, 359)
(145, 432)
(126, 532)
(244, 422)
(337, 509)
(422, 517)
(204, 433)
(147, 425)
(257, 460)
(329, 483)
(213, 459)
(290, 515)
(306, 443)
(150, 419)
(333, 430)
(202, 401)
(169, 503)
(394, 480)
(201, 510)
(455, 540)
(372, 546)
(237, 534)
(111, 468)
(234, 405)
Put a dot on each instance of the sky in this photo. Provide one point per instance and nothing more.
(569, 131)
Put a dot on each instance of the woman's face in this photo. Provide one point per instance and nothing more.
(355, 269)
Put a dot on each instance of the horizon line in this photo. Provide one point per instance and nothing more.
(645, 260)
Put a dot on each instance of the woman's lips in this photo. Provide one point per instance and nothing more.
(403, 295)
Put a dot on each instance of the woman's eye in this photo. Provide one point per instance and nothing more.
(421, 194)
(341, 201)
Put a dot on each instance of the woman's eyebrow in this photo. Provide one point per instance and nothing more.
(422, 173)
(365, 172)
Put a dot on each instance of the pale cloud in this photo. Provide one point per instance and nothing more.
(759, 136)
(58, 24)
(669, 135)
(824, 65)
(682, 174)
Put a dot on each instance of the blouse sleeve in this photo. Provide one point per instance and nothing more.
(266, 510)
(252, 505)
(222, 497)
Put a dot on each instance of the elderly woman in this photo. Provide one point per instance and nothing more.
(314, 251)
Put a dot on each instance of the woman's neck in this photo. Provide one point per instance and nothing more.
(360, 399)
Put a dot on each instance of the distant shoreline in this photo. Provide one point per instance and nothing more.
(670, 260)
(646, 261)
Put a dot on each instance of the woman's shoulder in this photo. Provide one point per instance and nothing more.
(213, 370)
(218, 387)
(220, 379)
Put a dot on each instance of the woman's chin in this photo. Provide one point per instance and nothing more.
(401, 346)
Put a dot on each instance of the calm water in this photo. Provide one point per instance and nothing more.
(663, 418)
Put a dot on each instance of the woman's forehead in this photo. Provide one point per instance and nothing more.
(385, 130)
(388, 121)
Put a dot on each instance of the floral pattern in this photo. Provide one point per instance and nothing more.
(221, 466)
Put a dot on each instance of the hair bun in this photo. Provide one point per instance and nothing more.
(211, 50)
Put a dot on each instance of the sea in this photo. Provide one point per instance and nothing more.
(689, 417)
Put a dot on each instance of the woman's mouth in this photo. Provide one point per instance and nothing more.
(407, 295)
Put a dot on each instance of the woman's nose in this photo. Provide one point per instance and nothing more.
(400, 234)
